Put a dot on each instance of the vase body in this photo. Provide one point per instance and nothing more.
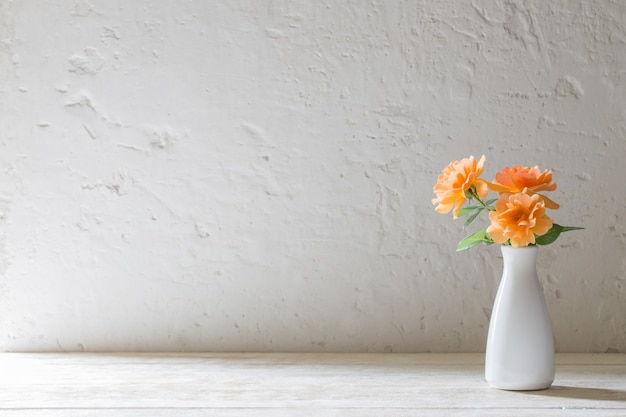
(520, 345)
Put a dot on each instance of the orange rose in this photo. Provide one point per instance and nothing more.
(454, 182)
(518, 178)
(518, 217)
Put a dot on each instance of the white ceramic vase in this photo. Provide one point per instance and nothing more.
(520, 345)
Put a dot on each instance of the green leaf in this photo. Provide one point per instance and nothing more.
(473, 216)
(568, 228)
(554, 233)
(474, 239)
(490, 202)
(467, 210)
(550, 236)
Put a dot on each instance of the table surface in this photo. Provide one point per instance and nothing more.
(247, 384)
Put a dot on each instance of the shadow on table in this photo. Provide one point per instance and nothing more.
(582, 393)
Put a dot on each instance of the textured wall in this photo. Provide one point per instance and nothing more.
(257, 175)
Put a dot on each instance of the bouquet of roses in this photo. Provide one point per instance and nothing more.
(518, 215)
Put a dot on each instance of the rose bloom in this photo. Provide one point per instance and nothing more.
(518, 217)
(455, 180)
(518, 178)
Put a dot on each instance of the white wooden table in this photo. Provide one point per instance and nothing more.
(379, 385)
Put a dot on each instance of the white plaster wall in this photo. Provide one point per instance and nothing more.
(257, 175)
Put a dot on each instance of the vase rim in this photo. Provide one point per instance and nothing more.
(507, 247)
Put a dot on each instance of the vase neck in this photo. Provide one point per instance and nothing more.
(520, 258)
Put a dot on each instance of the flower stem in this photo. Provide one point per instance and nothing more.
(474, 195)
